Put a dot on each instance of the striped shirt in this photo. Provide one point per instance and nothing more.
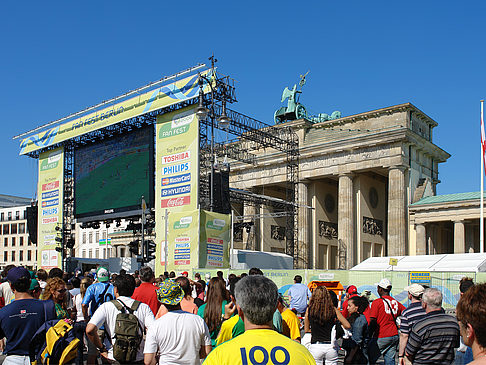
(433, 339)
(410, 316)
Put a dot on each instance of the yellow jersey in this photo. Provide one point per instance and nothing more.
(291, 324)
(229, 329)
(260, 346)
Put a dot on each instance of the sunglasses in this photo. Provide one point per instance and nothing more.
(61, 291)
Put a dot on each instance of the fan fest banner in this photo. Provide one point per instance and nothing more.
(50, 199)
(214, 240)
(176, 187)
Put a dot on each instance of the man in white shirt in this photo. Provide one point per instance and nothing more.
(124, 285)
(178, 337)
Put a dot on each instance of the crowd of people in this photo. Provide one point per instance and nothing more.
(139, 318)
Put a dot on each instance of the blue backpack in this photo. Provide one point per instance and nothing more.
(54, 343)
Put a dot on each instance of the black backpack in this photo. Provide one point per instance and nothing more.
(128, 333)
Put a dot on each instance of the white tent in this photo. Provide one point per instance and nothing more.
(463, 262)
(246, 259)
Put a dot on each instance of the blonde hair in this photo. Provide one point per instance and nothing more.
(85, 282)
(52, 284)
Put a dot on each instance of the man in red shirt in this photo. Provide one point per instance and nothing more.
(383, 314)
(351, 291)
(145, 293)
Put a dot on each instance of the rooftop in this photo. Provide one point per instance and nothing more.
(438, 199)
(9, 201)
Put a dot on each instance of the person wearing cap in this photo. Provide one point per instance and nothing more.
(383, 315)
(290, 321)
(22, 318)
(410, 316)
(146, 291)
(299, 294)
(256, 302)
(96, 294)
(178, 337)
(351, 291)
(124, 286)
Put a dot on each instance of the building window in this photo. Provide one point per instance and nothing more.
(13, 241)
(21, 255)
(13, 255)
(21, 228)
(97, 254)
(104, 235)
(29, 255)
(25, 214)
(5, 256)
(90, 254)
(28, 242)
(17, 215)
(21, 241)
(122, 251)
(5, 242)
(13, 228)
(6, 229)
(97, 237)
(9, 216)
(84, 237)
(84, 254)
(90, 237)
(2, 217)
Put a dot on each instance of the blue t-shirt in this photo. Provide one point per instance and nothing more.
(98, 294)
(20, 320)
(299, 293)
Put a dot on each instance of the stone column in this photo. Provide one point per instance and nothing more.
(421, 239)
(249, 238)
(303, 227)
(396, 212)
(459, 237)
(345, 217)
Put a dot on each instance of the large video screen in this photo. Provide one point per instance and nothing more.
(111, 176)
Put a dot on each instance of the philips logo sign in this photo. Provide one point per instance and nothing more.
(51, 211)
(174, 169)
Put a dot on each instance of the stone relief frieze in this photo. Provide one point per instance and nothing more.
(372, 226)
(328, 230)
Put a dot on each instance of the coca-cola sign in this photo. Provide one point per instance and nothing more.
(176, 202)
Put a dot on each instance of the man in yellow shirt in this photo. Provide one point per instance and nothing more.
(290, 322)
(256, 301)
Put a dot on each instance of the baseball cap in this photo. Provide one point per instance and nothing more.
(34, 284)
(207, 276)
(351, 289)
(185, 273)
(384, 284)
(15, 273)
(170, 293)
(102, 274)
(415, 289)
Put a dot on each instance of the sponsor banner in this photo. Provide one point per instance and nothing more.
(51, 173)
(214, 240)
(157, 98)
(182, 247)
(420, 277)
(176, 176)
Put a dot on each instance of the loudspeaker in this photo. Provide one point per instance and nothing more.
(32, 223)
(221, 196)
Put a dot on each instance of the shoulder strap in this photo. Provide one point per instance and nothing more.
(102, 295)
(135, 305)
(391, 311)
(117, 304)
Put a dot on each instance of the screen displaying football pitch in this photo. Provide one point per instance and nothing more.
(111, 176)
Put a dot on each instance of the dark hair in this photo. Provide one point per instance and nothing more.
(216, 294)
(219, 274)
(125, 285)
(321, 306)
(146, 274)
(123, 272)
(172, 275)
(255, 271)
(22, 285)
(75, 282)
(197, 275)
(465, 284)
(42, 274)
(232, 285)
(471, 309)
(243, 274)
(185, 285)
(55, 273)
(7, 269)
(298, 278)
(334, 298)
(360, 302)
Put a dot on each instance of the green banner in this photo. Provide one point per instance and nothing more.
(214, 240)
(176, 178)
(160, 97)
(50, 199)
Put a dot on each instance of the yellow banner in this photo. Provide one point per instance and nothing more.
(161, 97)
(50, 199)
(176, 176)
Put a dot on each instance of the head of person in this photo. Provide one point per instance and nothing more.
(256, 298)
(231, 276)
(216, 294)
(232, 284)
(6, 270)
(55, 289)
(184, 283)
(136, 273)
(243, 274)
(56, 273)
(432, 299)
(170, 294)
(281, 303)
(471, 314)
(219, 274)
(172, 275)
(185, 274)
(83, 286)
(19, 279)
(124, 286)
(123, 272)
(321, 307)
(297, 279)
(75, 282)
(255, 271)
(357, 304)
(415, 292)
(147, 274)
(102, 274)
(35, 290)
(41, 274)
(197, 276)
(384, 287)
(465, 284)
(351, 290)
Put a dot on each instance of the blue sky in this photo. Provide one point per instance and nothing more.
(59, 57)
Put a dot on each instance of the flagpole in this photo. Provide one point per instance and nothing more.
(481, 205)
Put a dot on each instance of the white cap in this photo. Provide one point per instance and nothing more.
(415, 289)
(384, 283)
(208, 276)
